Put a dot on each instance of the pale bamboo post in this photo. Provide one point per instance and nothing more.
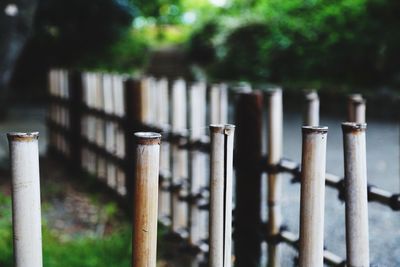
(197, 97)
(143, 94)
(357, 242)
(220, 221)
(145, 200)
(165, 163)
(162, 94)
(275, 131)
(179, 157)
(356, 107)
(218, 104)
(152, 103)
(312, 196)
(311, 116)
(359, 108)
(223, 108)
(24, 154)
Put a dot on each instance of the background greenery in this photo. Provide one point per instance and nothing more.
(320, 43)
(307, 42)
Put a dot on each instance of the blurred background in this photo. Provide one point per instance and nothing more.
(334, 46)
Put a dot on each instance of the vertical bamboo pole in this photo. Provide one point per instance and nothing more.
(311, 116)
(356, 194)
(312, 196)
(248, 178)
(197, 112)
(218, 104)
(76, 81)
(275, 129)
(223, 108)
(356, 107)
(24, 155)
(133, 120)
(165, 162)
(144, 241)
(359, 110)
(162, 93)
(221, 195)
(179, 156)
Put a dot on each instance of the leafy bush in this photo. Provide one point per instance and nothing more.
(337, 42)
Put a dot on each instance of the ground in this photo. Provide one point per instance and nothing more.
(77, 219)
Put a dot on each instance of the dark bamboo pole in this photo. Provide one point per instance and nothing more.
(247, 238)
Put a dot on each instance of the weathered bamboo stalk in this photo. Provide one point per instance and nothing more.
(311, 116)
(198, 159)
(162, 96)
(165, 163)
(356, 108)
(179, 157)
(220, 222)
(219, 104)
(356, 194)
(24, 155)
(312, 196)
(275, 130)
(144, 240)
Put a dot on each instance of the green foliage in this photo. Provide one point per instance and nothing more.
(162, 11)
(112, 250)
(317, 41)
(6, 248)
(127, 54)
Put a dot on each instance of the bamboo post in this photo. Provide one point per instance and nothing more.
(165, 162)
(24, 154)
(247, 240)
(356, 194)
(144, 241)
(75, 118)
(311, 116)
(356, 108)
(312, 196)
(179, 157)
(162, 94)
(220, 221)
(359, 111)
(275, 130)
(198, 163)
(133, 120)
(218, 104)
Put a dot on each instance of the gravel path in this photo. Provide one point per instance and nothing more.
(383, 171)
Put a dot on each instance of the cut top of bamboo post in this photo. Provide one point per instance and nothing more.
(148, 138)
(23, 137)
(353, 127)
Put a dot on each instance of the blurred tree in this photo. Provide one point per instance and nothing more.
(350, 42)
(71, 33)
(162, 11)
